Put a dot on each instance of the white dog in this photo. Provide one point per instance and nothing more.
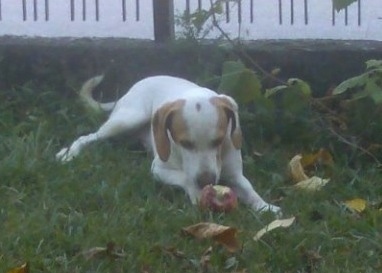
(193, 132)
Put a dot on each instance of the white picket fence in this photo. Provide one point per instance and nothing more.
(247, 19)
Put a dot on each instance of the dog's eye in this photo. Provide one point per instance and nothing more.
(216, 142)
(187, 144)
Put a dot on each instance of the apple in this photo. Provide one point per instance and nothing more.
(218, 198)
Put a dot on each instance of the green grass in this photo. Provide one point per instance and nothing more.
(51, 212)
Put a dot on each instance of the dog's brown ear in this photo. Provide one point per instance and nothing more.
(231, 110)
(161, 123)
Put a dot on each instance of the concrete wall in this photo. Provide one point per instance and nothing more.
(63, 64)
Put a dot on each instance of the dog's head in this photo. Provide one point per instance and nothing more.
(199, 130)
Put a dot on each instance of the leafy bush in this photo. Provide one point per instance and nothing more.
(289, 113)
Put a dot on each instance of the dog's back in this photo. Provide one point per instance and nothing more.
(147, 94)
(160, 89)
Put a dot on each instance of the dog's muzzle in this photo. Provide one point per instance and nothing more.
(205, 179)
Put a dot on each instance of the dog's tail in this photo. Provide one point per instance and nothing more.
(87, 97)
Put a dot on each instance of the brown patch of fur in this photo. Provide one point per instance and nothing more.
(162, 121)
(227, 110)
(178, 128)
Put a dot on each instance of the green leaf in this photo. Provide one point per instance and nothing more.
(375, 74)
(364, 85)
(350, 84)
(230, 75)
(249, 87)
(240, 82)
(375, 91)
(373, 64)
(292, 84)
(294, 101)
(272, 91)
(341, 4)
(199, 18)
(300, 86)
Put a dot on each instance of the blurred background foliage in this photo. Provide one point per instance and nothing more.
(347, 119)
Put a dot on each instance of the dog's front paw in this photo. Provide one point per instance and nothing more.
(65, 155)
(271, 208)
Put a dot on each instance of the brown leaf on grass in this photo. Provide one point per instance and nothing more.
(296, 169)
(298, 164)
(312, 184)
(323, 157)
(357, 204)
(110, 251)
(224, 235)
(21, 269)
(274, 224)
(94, 252)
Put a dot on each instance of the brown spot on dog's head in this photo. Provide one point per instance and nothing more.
(198, 107)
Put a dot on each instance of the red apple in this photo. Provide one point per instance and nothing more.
(218, 198)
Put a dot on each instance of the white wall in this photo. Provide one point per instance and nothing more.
(265, 24)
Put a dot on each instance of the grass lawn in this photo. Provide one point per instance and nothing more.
(51, 213)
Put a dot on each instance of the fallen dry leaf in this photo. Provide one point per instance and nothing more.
(275, 224)
(94, 252)
(21, 269)
(323, 157)
(357, 204)
(109, 251)
(312, 184)
(296, 170)
(298, 164)
(223, 235)
(308, 160)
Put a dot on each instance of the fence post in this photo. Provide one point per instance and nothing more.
(163, 20)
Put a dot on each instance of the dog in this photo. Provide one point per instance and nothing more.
(193, 133)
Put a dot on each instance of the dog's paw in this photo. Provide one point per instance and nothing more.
(271, 208)
(65, 155)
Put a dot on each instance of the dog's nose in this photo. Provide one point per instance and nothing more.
(205, 179)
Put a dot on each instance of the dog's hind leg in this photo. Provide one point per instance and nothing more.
(122, 120)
